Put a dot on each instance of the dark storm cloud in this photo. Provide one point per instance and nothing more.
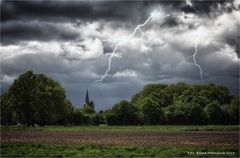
(27, 20)
(200, 7)
(170, 21)
(232, 38)
(234, 42)
(14, 31)
(92, 10)
(188, 9)
(38, 20)
(55, 10)
(205, 7)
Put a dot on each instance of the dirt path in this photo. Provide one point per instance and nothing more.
(228, 139)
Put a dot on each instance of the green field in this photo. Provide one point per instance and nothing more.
(129, 128)
(40, 150)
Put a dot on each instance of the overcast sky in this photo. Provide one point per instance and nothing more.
(72, 41)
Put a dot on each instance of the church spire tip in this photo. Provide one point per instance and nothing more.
(87, 98)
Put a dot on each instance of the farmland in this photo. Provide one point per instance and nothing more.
(160, 141)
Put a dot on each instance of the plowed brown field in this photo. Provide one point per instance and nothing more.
(226, 139)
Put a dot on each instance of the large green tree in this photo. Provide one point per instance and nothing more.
(35, 98)
(152, 113)
(23, 92)
(213, 113)
(122, 113)
(150, 89)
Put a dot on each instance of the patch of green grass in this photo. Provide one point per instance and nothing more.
(40, 150)
(130, 128)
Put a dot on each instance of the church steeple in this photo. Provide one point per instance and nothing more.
(88, 102)
(87, 98)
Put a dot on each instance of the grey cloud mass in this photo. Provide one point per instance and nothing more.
(14, 31)
(71, 41)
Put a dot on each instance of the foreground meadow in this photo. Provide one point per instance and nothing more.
(40, 150)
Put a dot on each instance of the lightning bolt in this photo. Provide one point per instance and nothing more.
(195, 62)
(188, 2)
(138, 28)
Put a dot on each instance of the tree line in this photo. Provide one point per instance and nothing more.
(177, 104)
(38, 99)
